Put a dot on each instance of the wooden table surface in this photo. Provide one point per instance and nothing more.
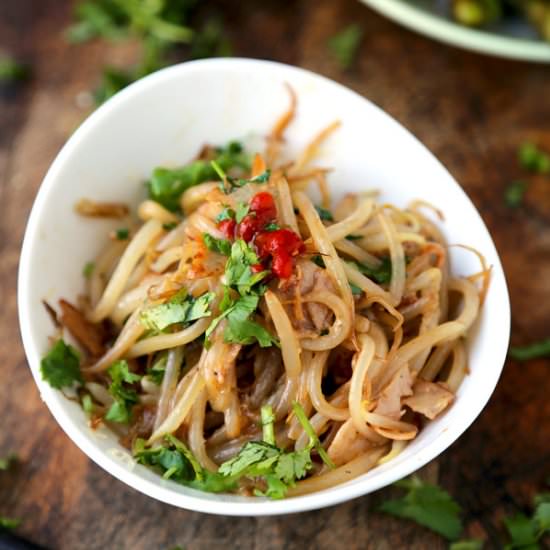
(471, 111)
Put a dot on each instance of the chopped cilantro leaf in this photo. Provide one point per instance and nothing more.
(226, 214)
(237, 270)
(355, 290)
(88, 269)
(271, 226)
(344, 45)
(221, 246)
(533, 159)
(60, 367)
(176, 462)
(318, 260)
(157, 370)
(531, 351)
(324, 214)
(354, 237)
(513, 196)
(181, 308)
(241, 212)
(167, 185)
(87, 404)
(125, 397)
(9, 523)
(428, 505)
(229, 184)
(122, 234)
(380, 274)
(169, 226)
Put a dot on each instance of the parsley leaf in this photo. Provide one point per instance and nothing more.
(88, 269)
(513, 196)
(344, 45)
(60, 367)
(380, 274)
(531, 351)
(166, 185)
(428, 505)
(221, 246)
(125, 397)
(8, 462)
(324, 214)
(533, 159)
(181, 308)
(9, 523)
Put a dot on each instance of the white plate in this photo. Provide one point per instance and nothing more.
(509, 41)
(164, 119)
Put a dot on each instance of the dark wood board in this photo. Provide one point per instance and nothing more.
(471, 111)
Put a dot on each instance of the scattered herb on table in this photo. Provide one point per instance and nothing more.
(7, 462)
(533, 158)
(11, 71)
(345, 44)
(524, 531)
(513, 196)
(9, 523)
(531, 351)
(160, 27)
(428, 505)
(467, 544)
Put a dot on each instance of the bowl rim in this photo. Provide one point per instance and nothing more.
(454, 34)
(195, 501)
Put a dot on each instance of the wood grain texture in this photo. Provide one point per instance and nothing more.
(471, 111)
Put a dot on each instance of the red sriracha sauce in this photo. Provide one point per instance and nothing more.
(280, 245)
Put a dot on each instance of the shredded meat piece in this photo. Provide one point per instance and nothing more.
(90, 335)
(429, 398)
(93, 209)
(389, 403)
(347, 444)
(142, 426)
(307, 278)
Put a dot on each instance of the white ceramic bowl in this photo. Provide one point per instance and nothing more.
(164, 119)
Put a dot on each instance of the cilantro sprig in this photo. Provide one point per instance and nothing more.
(241, 298)
(60, 367)
(229, 184)
(181, 308)
(125, 396)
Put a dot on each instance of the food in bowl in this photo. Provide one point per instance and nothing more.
(241, 338)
